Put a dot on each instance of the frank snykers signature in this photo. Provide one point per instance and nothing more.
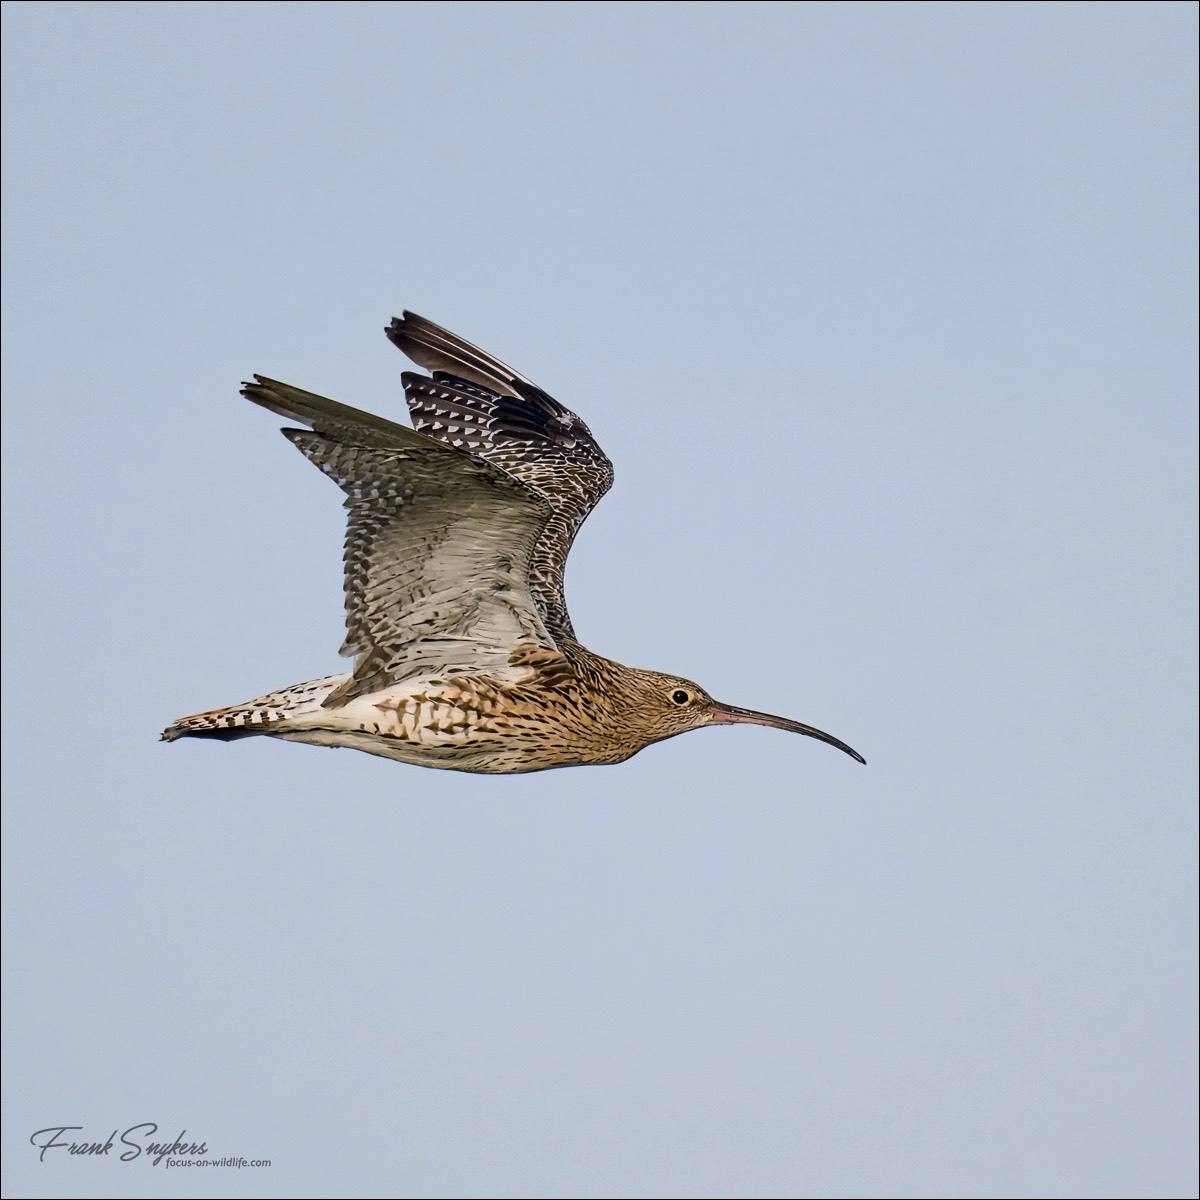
(134, 1139)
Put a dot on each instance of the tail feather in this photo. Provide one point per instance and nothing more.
(224, 723)
(267, 714)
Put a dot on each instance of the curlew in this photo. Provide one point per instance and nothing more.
(464, 654)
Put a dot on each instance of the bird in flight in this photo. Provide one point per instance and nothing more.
(464, 654)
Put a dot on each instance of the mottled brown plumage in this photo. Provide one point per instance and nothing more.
(458, 533)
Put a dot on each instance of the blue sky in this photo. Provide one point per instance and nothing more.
(886, 316)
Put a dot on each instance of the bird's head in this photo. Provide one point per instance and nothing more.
(668, 705)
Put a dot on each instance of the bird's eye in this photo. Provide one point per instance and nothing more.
(680, 696)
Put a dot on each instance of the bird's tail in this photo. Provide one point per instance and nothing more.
(266, 714)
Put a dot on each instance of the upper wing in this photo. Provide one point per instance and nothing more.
(477, 403)
(438, 546)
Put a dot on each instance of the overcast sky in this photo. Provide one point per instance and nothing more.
(886, 316)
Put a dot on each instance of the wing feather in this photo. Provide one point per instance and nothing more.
(478, 404)
(438, 546)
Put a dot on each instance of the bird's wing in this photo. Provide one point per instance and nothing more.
(476, 403)
(438, 547)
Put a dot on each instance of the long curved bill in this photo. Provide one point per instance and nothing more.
(727, 714)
